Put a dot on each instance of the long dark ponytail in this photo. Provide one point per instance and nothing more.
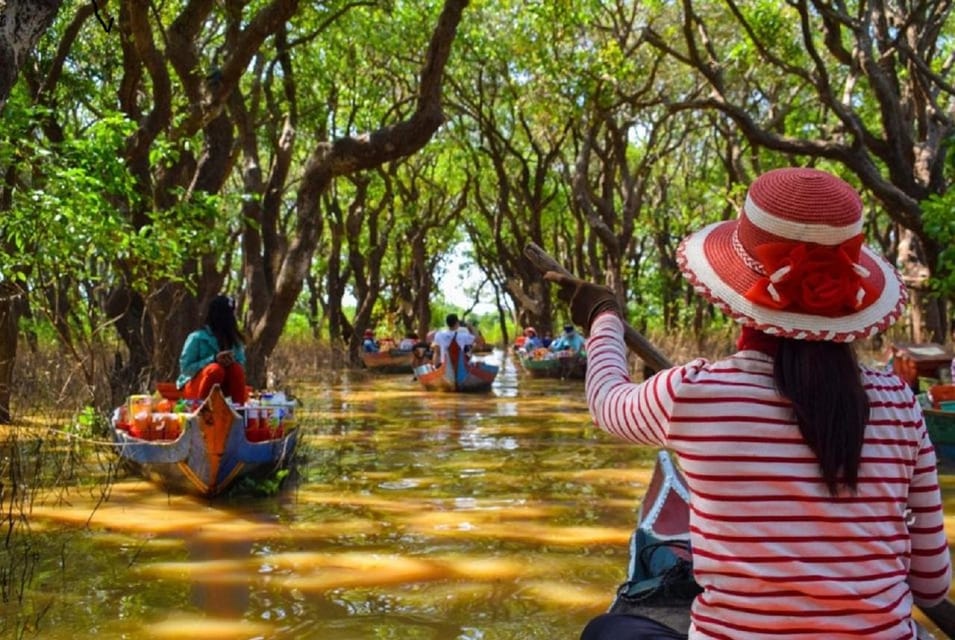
(822, 381)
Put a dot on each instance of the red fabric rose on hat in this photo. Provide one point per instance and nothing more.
(811, 278)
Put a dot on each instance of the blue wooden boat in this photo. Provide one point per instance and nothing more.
(460, 374)
(212, 450)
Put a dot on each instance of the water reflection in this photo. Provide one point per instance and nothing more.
(219, 590)
(499, 516)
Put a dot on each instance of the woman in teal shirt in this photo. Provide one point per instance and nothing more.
(214, 354)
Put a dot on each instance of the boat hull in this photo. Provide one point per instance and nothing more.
(662, 519)
(457, 373)
(478, 377)
(561, 367)
(391, 361)
(210, 455)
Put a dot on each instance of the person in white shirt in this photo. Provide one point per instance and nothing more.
(453, 334)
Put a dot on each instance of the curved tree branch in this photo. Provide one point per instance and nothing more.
(352, 154)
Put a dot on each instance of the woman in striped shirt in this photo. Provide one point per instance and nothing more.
(815, 508)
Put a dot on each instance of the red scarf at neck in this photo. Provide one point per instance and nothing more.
(755, 340)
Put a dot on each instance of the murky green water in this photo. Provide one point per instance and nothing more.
(414, 516)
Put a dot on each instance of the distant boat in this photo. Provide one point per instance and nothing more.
(911, 360)
(212, 447)
(388, 361)
(562, 364)
(462, 374)
(482, 347)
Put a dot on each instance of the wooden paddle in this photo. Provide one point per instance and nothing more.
(652, 356)
(942, 614)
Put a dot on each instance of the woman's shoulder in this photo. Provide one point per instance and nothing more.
(738, 365)
(884, 380)
(732, 376)
(199, 334)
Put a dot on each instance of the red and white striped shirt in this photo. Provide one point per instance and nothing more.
(776, 555)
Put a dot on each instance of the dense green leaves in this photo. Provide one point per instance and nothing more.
(603, 131)
(939, 222)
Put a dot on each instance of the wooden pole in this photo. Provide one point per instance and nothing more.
(645, 349)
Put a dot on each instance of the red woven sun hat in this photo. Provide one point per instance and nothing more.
(793, 264)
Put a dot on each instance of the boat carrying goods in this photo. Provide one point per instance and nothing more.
(206, 448)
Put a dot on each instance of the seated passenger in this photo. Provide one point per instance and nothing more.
(408, 342)
(369, 344)
(531, 341)
(453, 334)
(570, 340)
(214, 354)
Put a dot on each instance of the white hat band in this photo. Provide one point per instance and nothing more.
(823, 234)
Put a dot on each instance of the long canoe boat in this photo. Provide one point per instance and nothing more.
(659, 583)
(458, 373)
(562, 365)
(205, 451)
(389, 361)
